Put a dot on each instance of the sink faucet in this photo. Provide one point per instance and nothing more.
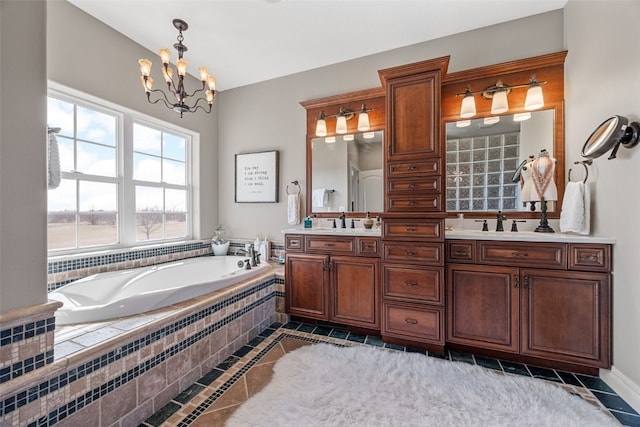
(343, 223)
(501, 217)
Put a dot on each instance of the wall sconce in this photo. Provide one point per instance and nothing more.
(498, 94)
(341, 120)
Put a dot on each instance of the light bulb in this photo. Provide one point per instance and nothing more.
(181, 65)
(165, 55)
(211, 82)
(204, 73)
(145, 67)
(499, 104)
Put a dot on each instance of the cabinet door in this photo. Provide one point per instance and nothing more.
(565, 316)
(482, 306)
(306, 285)
(355, 291)
(413, 108)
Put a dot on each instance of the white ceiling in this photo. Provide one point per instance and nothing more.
(248, 41)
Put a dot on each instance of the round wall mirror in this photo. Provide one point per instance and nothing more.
(609, 135)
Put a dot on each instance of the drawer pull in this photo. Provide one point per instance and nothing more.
(410, 229)
(412, 203)
(411, 321)
(516, 281)
(329, 245)
(461, 252)
(590, 258)
(519, 254)
(411, 283)
(411, 186)
(411, 168)
(409, 253)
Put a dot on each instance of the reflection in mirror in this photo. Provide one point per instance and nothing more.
(483, 158)
(347, 175)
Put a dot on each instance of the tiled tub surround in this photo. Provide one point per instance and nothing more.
(122, 371)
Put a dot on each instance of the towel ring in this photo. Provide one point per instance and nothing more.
(296, 187)
(586, 169)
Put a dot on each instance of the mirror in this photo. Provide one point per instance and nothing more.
(483, 160)
(347, 175)
(610, 134)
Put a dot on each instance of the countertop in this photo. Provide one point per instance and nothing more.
(523, 236)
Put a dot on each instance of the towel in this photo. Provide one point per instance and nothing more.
(293, 209)
(319, 198)
(575, 215)
(53, 163)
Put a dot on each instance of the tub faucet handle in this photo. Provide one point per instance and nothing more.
(247, 264)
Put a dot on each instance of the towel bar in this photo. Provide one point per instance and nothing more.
(586, 169)
(295, 183)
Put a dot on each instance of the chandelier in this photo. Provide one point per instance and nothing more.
(178, 99)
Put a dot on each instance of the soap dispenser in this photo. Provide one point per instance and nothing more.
(256, 244)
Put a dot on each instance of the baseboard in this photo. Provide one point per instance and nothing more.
(623, 385)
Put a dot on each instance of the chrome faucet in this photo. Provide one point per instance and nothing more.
(501, 217)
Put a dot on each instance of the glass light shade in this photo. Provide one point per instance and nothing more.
(211, 82)
(167, 72)
(321, 127)
(463, 123)
(468, 108)
(144, 84)
(348, 137)
(499, 104)
(534, 99)
(519, 117)
(491, 120)
(165, 55)
(181, 65)
(341, 125)
(145, 66)
(209, 96)
(363, 122)
(204, 73)
(330, 140)
(368, 135)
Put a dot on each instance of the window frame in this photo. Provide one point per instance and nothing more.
(126, 209)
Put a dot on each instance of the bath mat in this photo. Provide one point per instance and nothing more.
(326, 385)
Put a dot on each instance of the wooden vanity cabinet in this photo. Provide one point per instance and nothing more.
(334, 278)
(413, 219)
(531, 301)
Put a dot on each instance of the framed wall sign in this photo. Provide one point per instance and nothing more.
(257, 177)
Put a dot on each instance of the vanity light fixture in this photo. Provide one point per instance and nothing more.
(178, 98)
(498, 94)
(348, 137)
(520, 117)
(463, 123)
(341, 120)
(491, 120)
(369, 135)
(330, 140)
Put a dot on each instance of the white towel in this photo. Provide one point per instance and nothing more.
(319, 198)
(53, 163)
(575, 215)
(293, 209)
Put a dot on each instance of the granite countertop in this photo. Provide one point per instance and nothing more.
(334, 231)
(526, 236)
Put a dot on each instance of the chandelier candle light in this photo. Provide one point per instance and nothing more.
(177, 88)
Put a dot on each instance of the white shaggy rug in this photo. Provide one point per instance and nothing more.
(326, 385)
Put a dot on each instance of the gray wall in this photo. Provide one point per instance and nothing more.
(603, 79)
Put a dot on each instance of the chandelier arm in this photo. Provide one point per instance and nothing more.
(164, 98)
(198, 107)
(202, 89)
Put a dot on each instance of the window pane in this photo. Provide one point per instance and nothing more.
(174, 147)
(98, 228)
(175, 201)
(173, 172)
(149, 226)
(175, 213)
(96, 159)
(149, 199)
(146, 140)
(65, 153)
(60, 115)
(63, 198)
(96, 127)
(98, 196)
(146, 168)
(61, 218)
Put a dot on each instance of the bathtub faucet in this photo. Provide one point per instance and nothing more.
(253, 255)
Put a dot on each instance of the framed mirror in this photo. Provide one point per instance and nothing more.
(345, 170)
(482, 158)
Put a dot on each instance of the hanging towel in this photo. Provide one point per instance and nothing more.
(53, 163)
(293, 209)
(319, 198)
(575, 216)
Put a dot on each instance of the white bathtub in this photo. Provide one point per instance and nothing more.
(105, 296)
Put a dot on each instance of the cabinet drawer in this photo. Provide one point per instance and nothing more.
(413, 283)
(589, 257)
(410, 169)
(523, 254)
(293, 242)
(413, 322)
(461, 251)
(422, 203)
(330, 244)
(406, 229)
(428, 184)
(368, 246)
(414, 253)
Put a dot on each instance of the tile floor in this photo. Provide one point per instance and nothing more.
(214, 397)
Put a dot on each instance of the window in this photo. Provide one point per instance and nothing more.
(124, 180)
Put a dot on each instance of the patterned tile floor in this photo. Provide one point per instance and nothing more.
(214, 397)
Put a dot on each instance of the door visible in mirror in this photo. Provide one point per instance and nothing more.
(346, 175)
(483, 156)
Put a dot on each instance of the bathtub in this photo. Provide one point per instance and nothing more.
(115, 294)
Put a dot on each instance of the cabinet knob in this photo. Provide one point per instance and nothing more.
(516, 281)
